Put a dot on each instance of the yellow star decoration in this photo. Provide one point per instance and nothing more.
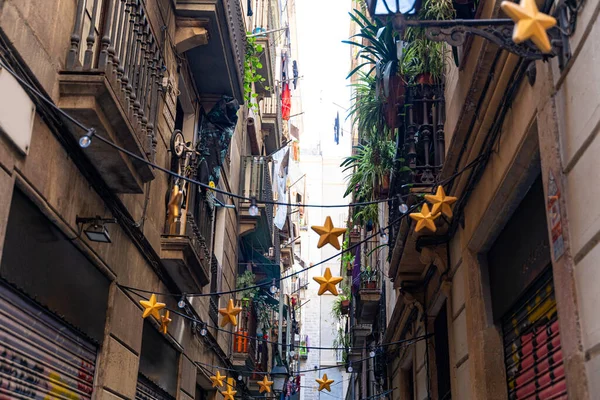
(324, 383)
(328, 282)
(328, 233)
(441, 202)
(425, 219)
(229, 393)
(529, 23)
(151, 307)
(229, 314)
(265, 385)
(217, 380)
(164, 322)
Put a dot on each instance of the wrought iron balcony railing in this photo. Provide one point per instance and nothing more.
(114, 38)
(257, 183)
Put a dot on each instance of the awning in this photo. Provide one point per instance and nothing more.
(260, 262)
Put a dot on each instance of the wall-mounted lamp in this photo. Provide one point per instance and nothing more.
(96, 230)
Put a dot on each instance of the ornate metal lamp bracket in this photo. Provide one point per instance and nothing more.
(497, 31)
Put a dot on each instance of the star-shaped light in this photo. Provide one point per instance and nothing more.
(328, 282)
(229, 393)
(217, 379)
(324, 383)
(329, 234)
(151, 307)
(265, 385)
(440, 202)
(164, 322)
(529, 23)
(425, 219)
(229, 314)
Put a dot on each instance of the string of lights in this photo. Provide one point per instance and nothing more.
(86, 140)
(276, 280)
(349, 364)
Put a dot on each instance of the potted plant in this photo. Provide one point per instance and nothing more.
(369, 278)
(341, 304)
(247, 279)
(347, 256)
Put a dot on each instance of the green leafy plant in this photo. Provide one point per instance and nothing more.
(368, 165)
(336, 308)
(421, 55)
(251, 66)
(377, 44)
(347, 256)
(367, 110)
(247, 279)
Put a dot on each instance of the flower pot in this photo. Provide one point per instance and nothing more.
(394, 101)
(345, 306)
(425, 79)
(371, 285)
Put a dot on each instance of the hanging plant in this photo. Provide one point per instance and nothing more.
(251, 66)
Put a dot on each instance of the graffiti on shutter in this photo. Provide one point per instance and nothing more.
(40, 357)
(532, 349)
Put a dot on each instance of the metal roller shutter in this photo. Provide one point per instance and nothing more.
(41, 357)
(147, 390)
(532, 349)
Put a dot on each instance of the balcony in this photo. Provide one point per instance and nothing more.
(256, 183)
(186, 256)
(369, 297)
(112, 82)
(267, 59)
(270, 113)
(212, 36)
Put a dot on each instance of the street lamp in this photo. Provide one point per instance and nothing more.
(279, 375)
(528, 23)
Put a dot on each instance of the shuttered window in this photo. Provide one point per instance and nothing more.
(41, 357)
(146, 390)
(532, 349)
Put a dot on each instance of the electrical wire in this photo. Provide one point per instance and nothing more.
(93, 134)
(277, 280)
(350, 363)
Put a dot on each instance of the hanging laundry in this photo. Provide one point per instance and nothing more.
(336, 129)
(295, 72)
(286, 102)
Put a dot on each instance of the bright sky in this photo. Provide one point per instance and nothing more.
(324, 61)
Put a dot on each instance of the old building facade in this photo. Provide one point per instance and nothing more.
(501, 296)
(87, 229)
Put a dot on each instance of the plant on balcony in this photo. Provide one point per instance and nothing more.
(342, 342)
(347, 256)
(368, 278)
(246, 280)
(251, 66)
(341, 303)
(423, 59)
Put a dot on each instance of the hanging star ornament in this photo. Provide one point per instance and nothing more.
(328, 282)
(324, 383)
(217, 380)
(329, 234)
(151, 307)
(229, 393)
(425, 219)
(530, 23)
(229, 314)
(265, 385)
(440, 202)
(164, 322)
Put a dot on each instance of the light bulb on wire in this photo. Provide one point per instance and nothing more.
(240, 377)
(253, 210)
(181, 302)
(86, 140)
(403, 207)
(350, 369)
(203, 330)
(273, 288)
(372, 353)
(383, 235)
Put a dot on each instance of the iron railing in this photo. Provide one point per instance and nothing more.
(257, 183)
(114, 38)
